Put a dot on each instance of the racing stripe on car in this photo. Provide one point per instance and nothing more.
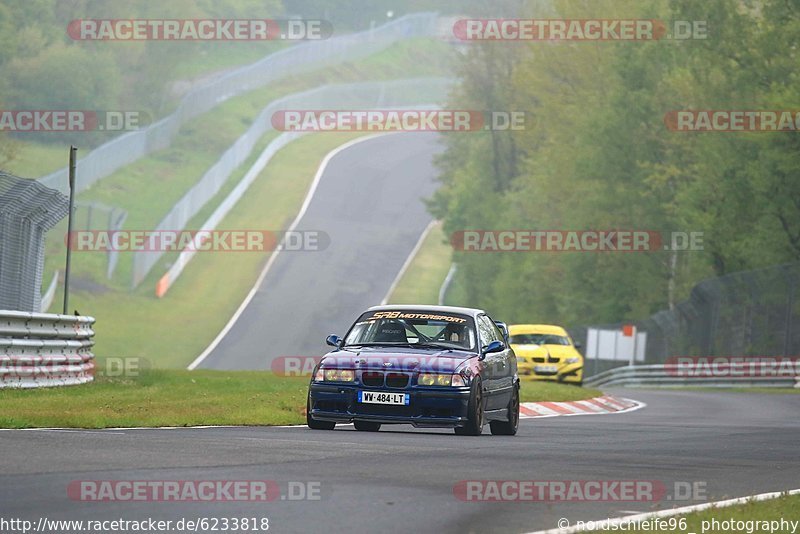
(597, 405)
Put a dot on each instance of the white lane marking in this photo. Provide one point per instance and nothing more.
(673, 511)
(70, 431)
(309, 196)
(408, 261)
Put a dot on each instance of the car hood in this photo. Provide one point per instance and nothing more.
(529, 350)
(396, 359)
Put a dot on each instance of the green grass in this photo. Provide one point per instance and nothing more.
(161, 398)
(423, 279)
(186, 398)
(785, 506)
(538, 391)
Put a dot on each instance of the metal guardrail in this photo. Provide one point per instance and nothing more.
(43, 349)
(670, 375)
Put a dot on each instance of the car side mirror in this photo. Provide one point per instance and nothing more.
(503, 328)
(334, 341)
(577, 344)
(494, 346)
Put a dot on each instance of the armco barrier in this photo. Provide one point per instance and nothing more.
(671, 375)
(42, 349)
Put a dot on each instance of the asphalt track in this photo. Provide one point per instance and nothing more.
(369, 202)
(401, 479)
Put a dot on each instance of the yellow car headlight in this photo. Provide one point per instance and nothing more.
(434, 379)
(336, 375)
(573, 360)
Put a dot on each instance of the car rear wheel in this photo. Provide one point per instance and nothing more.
(367, 426)
(474, 425)
(314, 423)
(508, 428)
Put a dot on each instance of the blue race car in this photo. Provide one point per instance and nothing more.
(429, 366)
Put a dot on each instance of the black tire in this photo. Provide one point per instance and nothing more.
(475, 420)
(508, 428)
(313, 423)
(367, 426)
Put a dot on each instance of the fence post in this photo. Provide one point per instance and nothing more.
(72, 153)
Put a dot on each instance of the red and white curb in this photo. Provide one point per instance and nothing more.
(599, 405)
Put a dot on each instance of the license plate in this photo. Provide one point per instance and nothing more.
(546, 369)
(379, 397)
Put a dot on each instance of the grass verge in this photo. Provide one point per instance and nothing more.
(537, 391)
(186, 398)
(755, 517)
(423, 279)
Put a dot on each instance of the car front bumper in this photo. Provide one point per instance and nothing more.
(427, 407)
(571, 372)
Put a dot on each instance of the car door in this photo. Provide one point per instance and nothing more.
(498, 366)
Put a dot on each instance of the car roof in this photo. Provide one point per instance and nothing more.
(428, 308)
(536, 329)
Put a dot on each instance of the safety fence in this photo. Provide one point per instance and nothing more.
(41, 350)
(735, 375)
(27, 211)
(297, 59)
(746, 314)
(394, 94)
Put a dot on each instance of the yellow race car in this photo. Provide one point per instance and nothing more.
(546, 352)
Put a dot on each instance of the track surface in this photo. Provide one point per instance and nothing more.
(401, 479)
(369, 201)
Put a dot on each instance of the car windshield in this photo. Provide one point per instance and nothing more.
(423, 328)
(538, 339)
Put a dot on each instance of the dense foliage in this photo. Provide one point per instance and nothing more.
(596, 155)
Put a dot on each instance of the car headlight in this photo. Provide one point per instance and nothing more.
(520, 359)
(573, 360)
(334, 375)
(435, 379)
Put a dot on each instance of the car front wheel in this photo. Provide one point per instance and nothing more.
(314, 423)
(474, 425)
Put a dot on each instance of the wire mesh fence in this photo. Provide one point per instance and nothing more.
(745, 314)
(296, 59)
(27, 211)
